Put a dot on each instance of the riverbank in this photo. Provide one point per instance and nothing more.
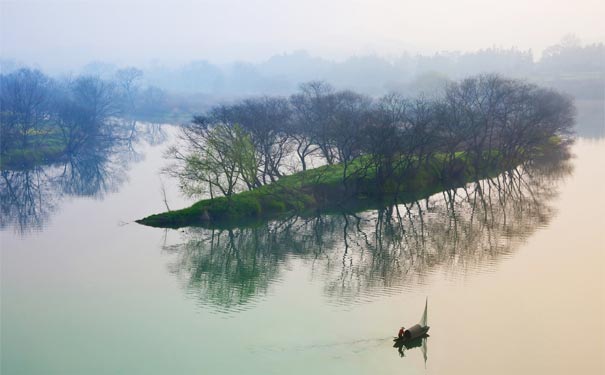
(43, 147)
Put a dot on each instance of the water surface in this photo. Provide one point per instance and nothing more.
(513, 268)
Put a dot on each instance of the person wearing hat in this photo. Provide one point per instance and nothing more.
(401, 332)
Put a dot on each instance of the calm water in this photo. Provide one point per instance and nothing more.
(513, 267)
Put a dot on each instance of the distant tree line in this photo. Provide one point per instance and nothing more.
(479, 122)
(569, 65)
(39, 112)
(35, 106)
(578, 68)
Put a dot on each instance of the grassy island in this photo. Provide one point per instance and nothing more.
(323, 189)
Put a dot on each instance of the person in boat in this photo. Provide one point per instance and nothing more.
(401, 332)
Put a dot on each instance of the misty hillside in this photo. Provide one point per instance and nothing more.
(569, 66)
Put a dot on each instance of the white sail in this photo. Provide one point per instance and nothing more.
(424, 319)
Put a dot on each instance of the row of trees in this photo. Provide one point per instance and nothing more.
(256, 141)
(35, 107)
(279, 75)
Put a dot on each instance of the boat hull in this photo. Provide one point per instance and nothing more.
(414, 332)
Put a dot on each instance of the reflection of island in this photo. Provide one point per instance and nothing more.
(29, 196)
(361, 255)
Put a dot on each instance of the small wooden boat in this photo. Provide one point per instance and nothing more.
(419, 342)
(417, 331)
(411, 334)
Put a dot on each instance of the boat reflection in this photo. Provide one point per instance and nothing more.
(419, 342)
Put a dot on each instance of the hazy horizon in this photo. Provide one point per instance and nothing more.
(60, 35)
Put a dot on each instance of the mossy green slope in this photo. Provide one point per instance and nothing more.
(320, 189)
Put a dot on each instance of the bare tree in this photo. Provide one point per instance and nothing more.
(82, 108)
(128, 80)
(479, 125)
(24, 96)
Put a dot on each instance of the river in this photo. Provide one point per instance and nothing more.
(513, 269)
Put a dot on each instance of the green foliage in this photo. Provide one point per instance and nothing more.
(45, 146)
(244, 206)
(223, 162)
(319, 188)
(273, 205)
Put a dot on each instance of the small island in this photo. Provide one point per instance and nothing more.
(253, 157)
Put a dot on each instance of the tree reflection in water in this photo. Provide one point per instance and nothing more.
(376, 252)
(28, 197)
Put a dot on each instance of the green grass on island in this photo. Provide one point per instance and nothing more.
(323, 190)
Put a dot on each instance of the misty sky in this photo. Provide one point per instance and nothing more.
(64, 33)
